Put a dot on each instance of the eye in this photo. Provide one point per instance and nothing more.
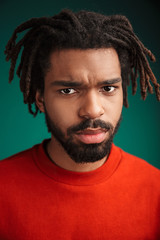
(109, 89)
(67, 91)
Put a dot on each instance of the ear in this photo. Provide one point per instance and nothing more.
(40, 101)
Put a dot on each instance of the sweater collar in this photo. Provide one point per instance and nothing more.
(61, 175)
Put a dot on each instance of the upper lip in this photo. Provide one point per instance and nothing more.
(91, 131)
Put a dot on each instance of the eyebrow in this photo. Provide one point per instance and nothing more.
(110, 81)
(78, 84)
(66, 83)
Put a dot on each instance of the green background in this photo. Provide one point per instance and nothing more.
(140, 129)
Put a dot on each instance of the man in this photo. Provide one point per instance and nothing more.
(75, 68)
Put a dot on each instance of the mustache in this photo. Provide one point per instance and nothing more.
(88, 123)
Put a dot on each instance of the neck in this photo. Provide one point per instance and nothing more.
(59, 156)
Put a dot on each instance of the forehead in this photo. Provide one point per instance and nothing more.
(76, 64)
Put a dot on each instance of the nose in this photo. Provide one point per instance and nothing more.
(91, 107)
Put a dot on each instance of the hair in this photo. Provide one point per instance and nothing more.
(81, 30)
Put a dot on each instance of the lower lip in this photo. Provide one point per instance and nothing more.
(91, 138)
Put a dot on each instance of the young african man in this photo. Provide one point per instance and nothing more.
(75, 68)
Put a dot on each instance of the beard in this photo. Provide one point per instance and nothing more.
(80, 152)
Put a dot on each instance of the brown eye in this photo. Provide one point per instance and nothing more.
(109, 89)
(67, 91)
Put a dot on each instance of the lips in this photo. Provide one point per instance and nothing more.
(91, 136)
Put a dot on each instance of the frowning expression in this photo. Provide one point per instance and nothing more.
(83, 96)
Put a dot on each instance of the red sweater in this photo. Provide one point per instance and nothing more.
(40, 201)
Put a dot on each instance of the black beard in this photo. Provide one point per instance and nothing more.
(81, 152)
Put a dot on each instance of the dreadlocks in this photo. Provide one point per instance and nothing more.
(81, 30)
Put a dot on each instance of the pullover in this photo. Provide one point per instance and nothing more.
(41, 201)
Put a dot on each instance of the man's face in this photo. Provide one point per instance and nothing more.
(83, 101)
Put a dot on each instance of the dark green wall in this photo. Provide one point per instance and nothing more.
(139, 133)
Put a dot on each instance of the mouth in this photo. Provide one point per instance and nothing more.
(92, 136)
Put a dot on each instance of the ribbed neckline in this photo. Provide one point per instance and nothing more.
(61, 175)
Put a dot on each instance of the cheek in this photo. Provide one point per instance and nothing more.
(113, 109)
(118, 109)
(61, 112)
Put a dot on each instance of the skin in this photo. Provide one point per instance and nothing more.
(99, 96)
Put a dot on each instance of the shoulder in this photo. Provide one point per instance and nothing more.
(138, 162)
(16, 157)
(16, 163)
(138, 168)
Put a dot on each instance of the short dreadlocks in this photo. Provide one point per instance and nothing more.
(81, 30)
